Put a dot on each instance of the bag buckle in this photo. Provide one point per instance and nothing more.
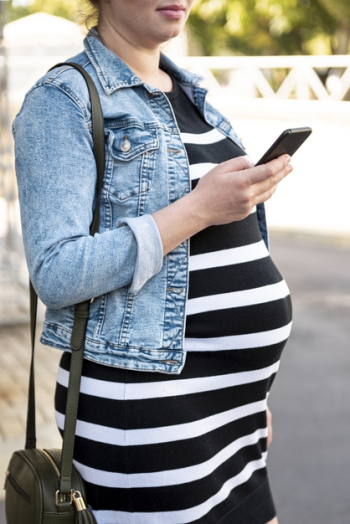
(61, 498)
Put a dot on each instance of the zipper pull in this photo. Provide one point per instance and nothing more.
(78, 501)
(7, 474)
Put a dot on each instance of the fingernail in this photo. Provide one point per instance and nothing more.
(288, 158)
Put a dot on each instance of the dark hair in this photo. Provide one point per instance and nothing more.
(89, 12)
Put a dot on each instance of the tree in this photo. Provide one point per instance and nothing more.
(340, 11)
(261, 26)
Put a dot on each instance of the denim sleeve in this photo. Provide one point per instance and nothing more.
(56, 177)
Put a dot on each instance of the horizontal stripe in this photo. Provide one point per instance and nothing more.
(121, 391)
(203, 138)
(216, 153)
(226, 257)
(222, 281)
(170, 477)
(235, 299)
(187, 515)
(168, 411)
(227, 236)
(199, 170)
(141, 437)
(240, 321)
(237, 342)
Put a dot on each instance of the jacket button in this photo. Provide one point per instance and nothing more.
(125, 145)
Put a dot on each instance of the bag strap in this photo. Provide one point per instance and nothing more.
(81, 315)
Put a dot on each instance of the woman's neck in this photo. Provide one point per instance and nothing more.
(144, 62)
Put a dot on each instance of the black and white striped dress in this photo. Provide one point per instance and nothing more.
(163, 449)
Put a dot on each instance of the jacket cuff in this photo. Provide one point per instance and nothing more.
(149, 258)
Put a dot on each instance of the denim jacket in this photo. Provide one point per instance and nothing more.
(137, 317)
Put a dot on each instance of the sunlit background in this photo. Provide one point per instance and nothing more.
(269, 65)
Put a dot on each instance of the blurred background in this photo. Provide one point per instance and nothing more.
(268, 66)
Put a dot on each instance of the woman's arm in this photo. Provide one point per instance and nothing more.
(56, 176)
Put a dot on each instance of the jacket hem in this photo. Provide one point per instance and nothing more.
(161, 360)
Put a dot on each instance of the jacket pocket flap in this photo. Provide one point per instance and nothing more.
(129, 142)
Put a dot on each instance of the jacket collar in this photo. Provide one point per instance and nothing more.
(114, 74)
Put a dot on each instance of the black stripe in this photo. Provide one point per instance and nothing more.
(214, 153)
(238, 277)
(228, 236)
(160, 412)
(240, 321)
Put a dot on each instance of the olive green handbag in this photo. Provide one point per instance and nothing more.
(42, 485)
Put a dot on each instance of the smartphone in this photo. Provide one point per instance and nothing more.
(287, 143)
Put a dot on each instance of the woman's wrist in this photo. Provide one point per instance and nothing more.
(179, 221)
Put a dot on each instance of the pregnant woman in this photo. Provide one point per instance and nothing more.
(190, 315)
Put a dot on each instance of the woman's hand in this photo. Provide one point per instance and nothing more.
(230, 191)
(269, 427)
(225, 194)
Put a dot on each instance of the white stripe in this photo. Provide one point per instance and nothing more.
(248, 297)
(187, 515)
(227, 257)
(171, 388)
(199, 170)
(171, 477)
(252, 340)
(94, 387)
(141, 437)
(210, 137)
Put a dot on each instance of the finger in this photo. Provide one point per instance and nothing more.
(239, 163)
(266, 171)
(265, 189)
(266, 195)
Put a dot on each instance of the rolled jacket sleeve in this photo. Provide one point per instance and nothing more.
(149, 257)
(56, 175)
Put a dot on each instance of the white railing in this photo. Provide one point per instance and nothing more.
(320, 77)
(279, 77)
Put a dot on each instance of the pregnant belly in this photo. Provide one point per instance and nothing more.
(237, 307)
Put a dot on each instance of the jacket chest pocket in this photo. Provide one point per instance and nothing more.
(131, 157)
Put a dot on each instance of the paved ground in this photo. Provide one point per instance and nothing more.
(310, 457)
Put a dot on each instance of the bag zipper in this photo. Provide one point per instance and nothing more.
(48, 457)
(16, 487)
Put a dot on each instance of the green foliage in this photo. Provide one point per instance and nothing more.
(339, 9)
(256, 27)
